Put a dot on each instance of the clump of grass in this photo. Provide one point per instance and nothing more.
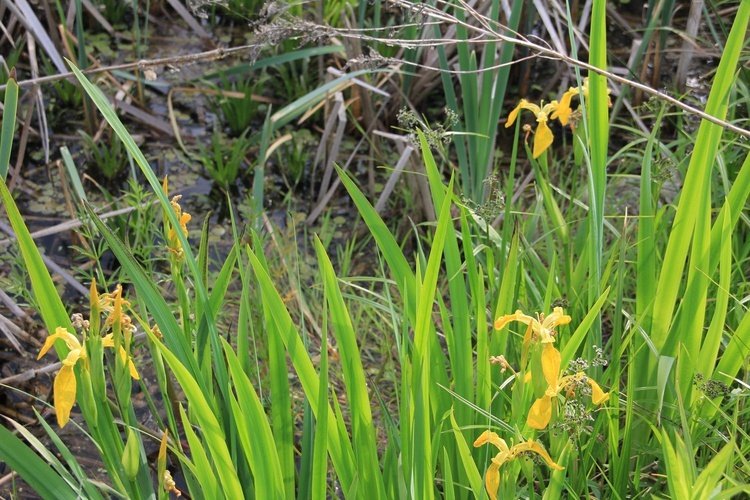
(108, 158)
(223, 157)
(235, 102)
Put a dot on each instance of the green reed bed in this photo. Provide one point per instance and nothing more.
(567, 354)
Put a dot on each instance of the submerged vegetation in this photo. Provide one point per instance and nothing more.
(278, 317)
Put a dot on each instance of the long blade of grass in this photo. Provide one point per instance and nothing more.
(36, 472)
(363, 436)
(51, 307)
(338, 444)
(255, 432)
(388, 245)
(698, 176)
(274, 61)
(213, 435)
(202, 470)
(459, 336)
(219, 367)
(424, 342)
(599, 137)
(10, 106)
(320, 444)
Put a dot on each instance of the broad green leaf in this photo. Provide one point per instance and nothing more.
(698, 176)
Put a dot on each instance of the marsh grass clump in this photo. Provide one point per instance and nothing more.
(223, 157)
(107, 157)
(236, 101)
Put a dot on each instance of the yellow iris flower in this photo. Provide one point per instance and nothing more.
(543, 136)
(173, 242)
(543, 327)
(541, 411)
(564, 111)
(552, 111)
(65, 382)
(506, 454)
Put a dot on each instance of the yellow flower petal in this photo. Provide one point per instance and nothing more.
(543, 138)
(540, 413)
(551, 361)
(109, 341)
(598, 396)
(563, 110)
(516, 316)
(532, 107)
(65, 394)
(514, 114)
(492, 480)
(60, 333)
(556, 318)
(492, 438)
(131, 365)
(535, 447)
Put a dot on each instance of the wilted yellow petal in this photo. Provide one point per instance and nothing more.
(543, 138)
(598, 396)
(492, 480)
(551, 361)
(531, 445)
(65, 394)
(540, 413)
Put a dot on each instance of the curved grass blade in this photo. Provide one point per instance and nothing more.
(363, 435)
(42, 478)
(254, 431)
(213, 435)
(9, 123)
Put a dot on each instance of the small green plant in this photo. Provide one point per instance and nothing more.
(295, 155)
(115, 10)
(109, 157)
(10, 61)
(223, 157)
(235, 102)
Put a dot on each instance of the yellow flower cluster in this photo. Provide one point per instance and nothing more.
(551, 111)
(65, 386)
(173, 241)
(542, 331)
(506, 454)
